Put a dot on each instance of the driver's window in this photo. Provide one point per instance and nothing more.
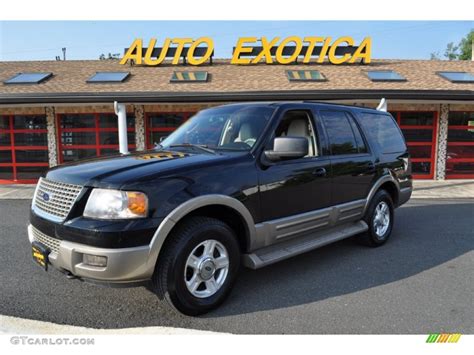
(298, 124)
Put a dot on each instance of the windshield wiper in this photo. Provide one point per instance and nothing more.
(202, 147)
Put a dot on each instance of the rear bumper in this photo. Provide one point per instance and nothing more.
(124, 265)
(404, 195)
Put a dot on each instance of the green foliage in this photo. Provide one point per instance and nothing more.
(461, 51)
(110, 56)
(465, 47)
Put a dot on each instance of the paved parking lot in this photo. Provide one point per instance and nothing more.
(421, 281)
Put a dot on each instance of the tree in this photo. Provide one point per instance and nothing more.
(110, 56)
(465, 46)
(461, 51)
(451, 52)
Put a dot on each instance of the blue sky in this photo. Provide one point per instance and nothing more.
(43, 40)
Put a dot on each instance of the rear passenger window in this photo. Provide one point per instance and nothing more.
(340, 133)
(383, 130)
(361, 147)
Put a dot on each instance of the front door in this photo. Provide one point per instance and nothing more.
(292, 187)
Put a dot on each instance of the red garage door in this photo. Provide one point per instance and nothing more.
(23, 148)
(419, 129)
(160, 125)
(90, 135)
(460, 155)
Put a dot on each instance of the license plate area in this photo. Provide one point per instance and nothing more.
(40, 254)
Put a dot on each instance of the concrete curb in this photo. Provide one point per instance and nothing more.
(14, 325)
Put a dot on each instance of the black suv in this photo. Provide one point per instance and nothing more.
(251, 183)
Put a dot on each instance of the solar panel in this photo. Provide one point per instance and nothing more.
(108, 77)
(189, 76)
(305, 75)
(385, 75)
(28, 78)
(457, 77)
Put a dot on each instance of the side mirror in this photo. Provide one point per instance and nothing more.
(288, 148)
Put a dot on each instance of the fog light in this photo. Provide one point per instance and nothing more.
(94, 260)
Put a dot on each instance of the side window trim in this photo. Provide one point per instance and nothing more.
(315, 132)
(321, 134)
(355, 125)
(328, 144)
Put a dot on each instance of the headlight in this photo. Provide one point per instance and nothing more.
(115, 204)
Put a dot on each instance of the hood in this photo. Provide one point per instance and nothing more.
(115, 171)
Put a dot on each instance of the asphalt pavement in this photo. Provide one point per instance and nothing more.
(420, 282)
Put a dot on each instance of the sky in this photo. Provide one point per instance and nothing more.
(43, 40)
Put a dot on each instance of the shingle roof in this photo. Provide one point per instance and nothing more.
(70, 77)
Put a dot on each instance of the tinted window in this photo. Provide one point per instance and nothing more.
(461, 118)
(358, 136)
(340, 133)
(383, 130)
(418, 118)
(29, 122)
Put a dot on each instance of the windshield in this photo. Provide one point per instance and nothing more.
(229, 128)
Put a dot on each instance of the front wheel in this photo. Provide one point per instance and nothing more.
(380, 219)
(198, 267)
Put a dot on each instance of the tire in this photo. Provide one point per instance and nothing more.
(178, 275)
(380, 209)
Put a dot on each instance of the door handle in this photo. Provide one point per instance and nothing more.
(319, 172)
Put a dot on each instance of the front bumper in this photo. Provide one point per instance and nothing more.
(404, 195)
(124, 265)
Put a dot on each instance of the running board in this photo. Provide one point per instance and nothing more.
(296, 246)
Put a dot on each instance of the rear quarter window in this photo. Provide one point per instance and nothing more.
(383, 131)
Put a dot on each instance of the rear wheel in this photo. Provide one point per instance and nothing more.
(380, 218)
(198, 267)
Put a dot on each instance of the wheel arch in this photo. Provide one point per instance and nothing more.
(388, 183)
(226, 208)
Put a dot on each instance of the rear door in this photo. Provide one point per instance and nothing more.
(353, 166)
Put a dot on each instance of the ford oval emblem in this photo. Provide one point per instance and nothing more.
(46, 196)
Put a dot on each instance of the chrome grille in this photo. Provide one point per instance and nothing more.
(53, 200)
(51, 243)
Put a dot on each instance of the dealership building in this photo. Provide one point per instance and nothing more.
(52, 112)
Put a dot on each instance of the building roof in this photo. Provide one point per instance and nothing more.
(232, 82)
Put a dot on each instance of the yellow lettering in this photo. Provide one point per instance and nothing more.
(324, 50)
(240, 49)
(134, 52)
(367, 45)
(179, 49)
(298, 45)
(151, 46)
(332, 51)
(266, 50)
(210, 48)
(312, 43)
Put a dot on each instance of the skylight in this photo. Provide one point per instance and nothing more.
(108, 77)
(385, 75)
(28, 78)
(457, 77)
(305, 75)
(189, 76)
